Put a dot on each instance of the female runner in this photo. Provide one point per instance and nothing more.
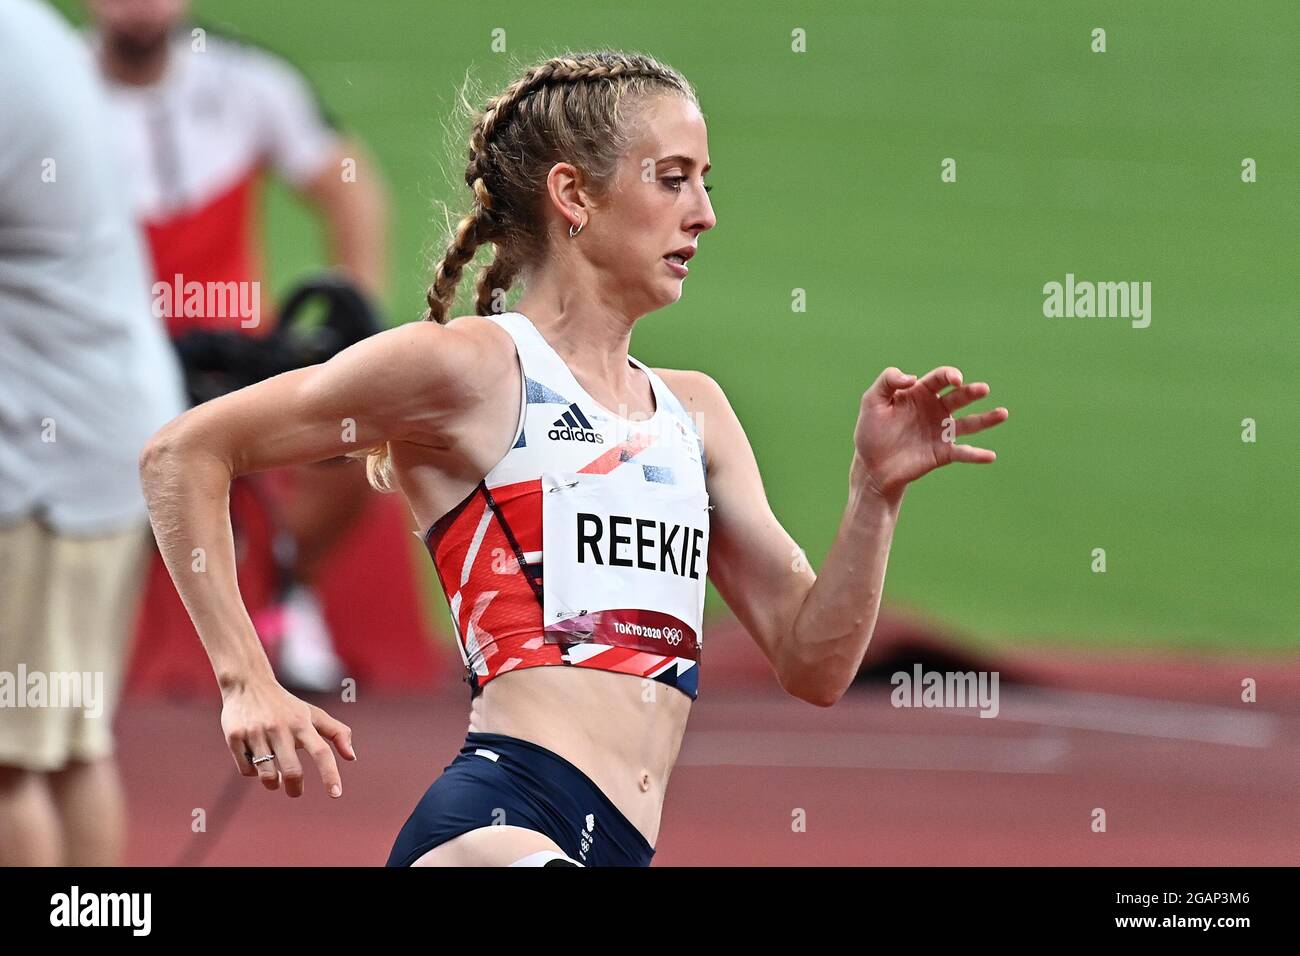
(518, 434)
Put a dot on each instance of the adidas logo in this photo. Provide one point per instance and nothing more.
(573, 426)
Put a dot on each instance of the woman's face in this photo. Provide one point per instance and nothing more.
(658, 205)
(137, 28)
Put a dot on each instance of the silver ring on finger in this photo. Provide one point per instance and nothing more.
(256, 760)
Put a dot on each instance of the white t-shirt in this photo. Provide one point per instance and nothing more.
(195, 143)
(220, 113)
(86, 372)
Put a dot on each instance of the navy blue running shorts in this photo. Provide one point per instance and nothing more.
(497, 779)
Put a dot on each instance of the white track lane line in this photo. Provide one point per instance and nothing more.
(1139, 716)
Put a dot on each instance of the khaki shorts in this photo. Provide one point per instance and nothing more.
(67, 614)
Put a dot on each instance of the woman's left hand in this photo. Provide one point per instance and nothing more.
(906, 427)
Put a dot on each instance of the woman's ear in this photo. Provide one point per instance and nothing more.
(564, 189)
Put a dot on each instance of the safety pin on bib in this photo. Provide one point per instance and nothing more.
(559, 487)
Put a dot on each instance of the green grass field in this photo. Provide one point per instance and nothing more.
(1115, 166)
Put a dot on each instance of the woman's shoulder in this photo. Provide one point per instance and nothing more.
(704, 402)
(713, 416)
(466, 339)
(463, 356)
(480, 330)
(694, 389)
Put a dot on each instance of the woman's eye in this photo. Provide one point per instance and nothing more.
(675, 183)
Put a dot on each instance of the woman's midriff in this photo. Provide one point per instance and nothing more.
(621, 730)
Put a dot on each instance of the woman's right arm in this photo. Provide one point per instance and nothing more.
(408, 383)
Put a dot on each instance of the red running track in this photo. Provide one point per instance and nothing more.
(1186, 772)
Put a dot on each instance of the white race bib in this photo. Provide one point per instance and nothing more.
(624, 562)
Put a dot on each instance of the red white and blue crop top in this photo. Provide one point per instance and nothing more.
(616, 511)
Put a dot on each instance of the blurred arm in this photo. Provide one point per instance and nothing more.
(351, 201)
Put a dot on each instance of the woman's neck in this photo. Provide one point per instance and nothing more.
(591, 336)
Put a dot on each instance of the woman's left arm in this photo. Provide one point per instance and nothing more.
(814, 629)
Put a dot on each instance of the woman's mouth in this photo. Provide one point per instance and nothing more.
(677, 261)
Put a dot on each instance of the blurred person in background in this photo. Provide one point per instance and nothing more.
(86, 375)
(198, 119)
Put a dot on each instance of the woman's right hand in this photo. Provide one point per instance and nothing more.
(261, 717)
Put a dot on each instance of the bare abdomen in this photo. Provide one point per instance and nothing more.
(621, 730)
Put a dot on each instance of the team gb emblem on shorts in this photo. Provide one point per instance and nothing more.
(587, 836)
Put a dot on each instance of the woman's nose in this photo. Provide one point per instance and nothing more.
(704, 219)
